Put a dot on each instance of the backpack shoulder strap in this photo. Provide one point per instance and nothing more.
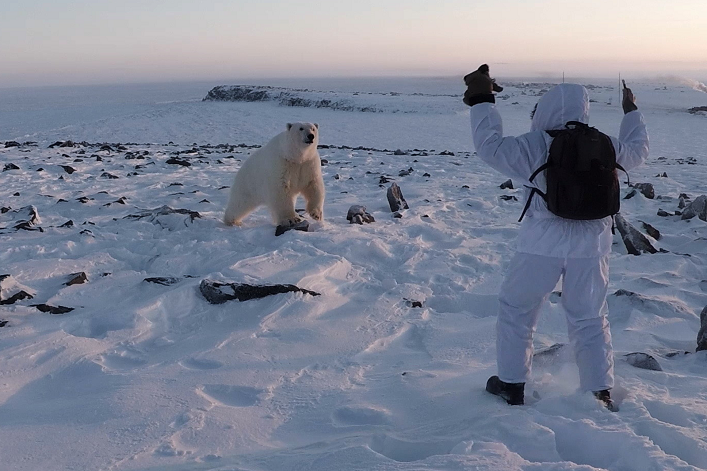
(533, 190)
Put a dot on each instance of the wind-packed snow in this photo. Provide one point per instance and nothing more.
(385, 370)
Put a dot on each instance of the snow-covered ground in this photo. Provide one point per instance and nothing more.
(146, 376)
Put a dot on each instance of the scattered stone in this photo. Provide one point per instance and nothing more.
(702, 334)
(630, 194)
(383, 180)
(176, 161)
(303, 226)
(11, 144)
(323, 162)
(163, 280)
(218, 293)
(109, 176)
(397, 215)
(396, 199)
(53, 309)
(68, 223)
(507, 185)
(697, 109)
(166, 217)
(651, 231)
(337, 177)
(696, 208)
(10, 166)
(68, 169)
(636, 243)
(643, 361)
(400, 152)
(19, 296)
(508, 198)
(404, 173)
(646, 189)
(663, 213)
(413, 303)
(426, 175)
(446, 152)
(662, 175)
(549, 355)
(106, 148)
(11, 291)
(357, 215)
(26, 218)
(3, 322)
(77, 279)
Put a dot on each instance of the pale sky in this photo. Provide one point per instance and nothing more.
(59, 42)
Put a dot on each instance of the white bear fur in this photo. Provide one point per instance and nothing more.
(276, 173)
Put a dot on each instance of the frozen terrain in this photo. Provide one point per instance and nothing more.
(385, 370)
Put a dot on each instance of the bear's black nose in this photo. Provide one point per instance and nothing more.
(310, 136)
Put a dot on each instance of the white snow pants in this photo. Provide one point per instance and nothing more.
(528, 283)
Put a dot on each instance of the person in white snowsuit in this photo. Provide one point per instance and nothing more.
(550, 247)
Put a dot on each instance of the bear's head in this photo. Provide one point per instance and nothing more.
(303, 135)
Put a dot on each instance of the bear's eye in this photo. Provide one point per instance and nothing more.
(301, 129)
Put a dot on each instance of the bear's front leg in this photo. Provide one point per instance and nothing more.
(314, 194)
(283, 210)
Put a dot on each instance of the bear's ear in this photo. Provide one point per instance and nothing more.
(316, 125)
(289, 126)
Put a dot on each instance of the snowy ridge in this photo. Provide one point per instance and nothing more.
(363, 102)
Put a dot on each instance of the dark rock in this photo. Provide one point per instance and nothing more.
(702, 334)
(404, 173)
(323, 162)
(83, 199)
(19, 296)
(396, 199)
(53, 309)
(643, 361)
(630, 194)
(303, 226)
(549, 355)
(110, 176)
(106, 147)
(662, 175)
(357, 215)
(163, 280)
(5, 209)
(77, 279)
(176, 161)
(68, 169)
(26, 218)
(698, 109)
(383, 180)
(413, 303)
(397, 215)
(636, 243)
(696, 208)
(426, 175)
(646, 189)
(218, 293)
(446, 152)
(663, 213)
(507, 185)
(3, 322)
(508, 198)
(399, 152)
(166, 217)
(337, 177)
(10, 166)
(651, 231)
(11, 144)
(68, 223)
(681, 203)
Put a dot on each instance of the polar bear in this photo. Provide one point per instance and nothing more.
(276, 173)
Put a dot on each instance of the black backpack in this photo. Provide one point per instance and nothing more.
(581, 174)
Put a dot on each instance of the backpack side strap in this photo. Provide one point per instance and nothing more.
(533, 190)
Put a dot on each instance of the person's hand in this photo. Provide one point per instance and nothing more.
(629, 100)
(479, 82)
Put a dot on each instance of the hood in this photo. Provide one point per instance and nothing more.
(562, 103)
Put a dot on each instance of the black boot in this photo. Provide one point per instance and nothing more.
(513, 393)
(605, 397)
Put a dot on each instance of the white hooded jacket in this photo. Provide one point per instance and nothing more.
(543, 233)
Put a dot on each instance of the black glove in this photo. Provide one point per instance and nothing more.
(479, 85)
(629, 101)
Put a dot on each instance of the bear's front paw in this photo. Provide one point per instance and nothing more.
(290, 221)
(316, 214)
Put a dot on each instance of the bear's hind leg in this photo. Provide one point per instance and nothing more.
(236, 210)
